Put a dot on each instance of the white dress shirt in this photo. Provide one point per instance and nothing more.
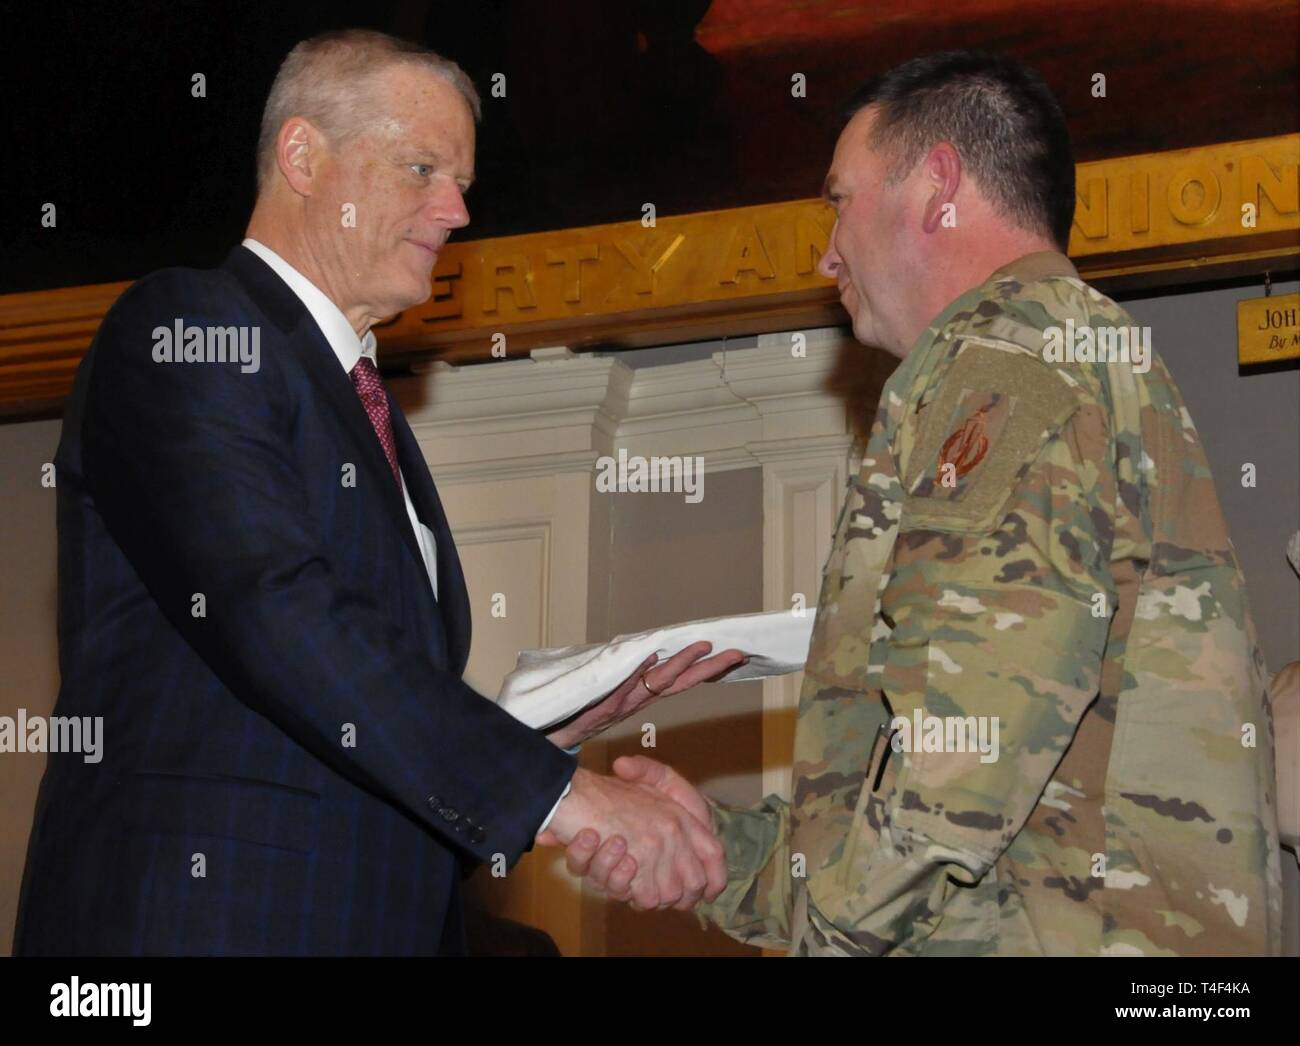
(349, 348)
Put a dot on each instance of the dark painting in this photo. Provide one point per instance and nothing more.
(687, 104)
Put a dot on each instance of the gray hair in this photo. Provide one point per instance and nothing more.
(327, 80)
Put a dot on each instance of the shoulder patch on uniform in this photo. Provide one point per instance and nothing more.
(995, 409)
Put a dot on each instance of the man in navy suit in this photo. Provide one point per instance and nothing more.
(259, 593)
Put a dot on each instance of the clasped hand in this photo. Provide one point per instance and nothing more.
(658, 850)
(644, 835)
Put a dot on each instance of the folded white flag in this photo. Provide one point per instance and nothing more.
(548, 686)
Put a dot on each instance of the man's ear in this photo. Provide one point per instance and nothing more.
(298, 149)
(942, 173)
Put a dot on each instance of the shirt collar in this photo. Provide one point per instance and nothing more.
(1040, 265)
(329, 318)
(1028, 268)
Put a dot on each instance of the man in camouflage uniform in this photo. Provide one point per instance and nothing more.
(1032, 542)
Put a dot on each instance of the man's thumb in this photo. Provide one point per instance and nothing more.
(638, 768)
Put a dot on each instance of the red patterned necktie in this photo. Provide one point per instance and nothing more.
(370, 387)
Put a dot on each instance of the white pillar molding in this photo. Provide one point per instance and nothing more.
(558, 412)
(801, 497)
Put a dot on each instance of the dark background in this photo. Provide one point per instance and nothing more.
(610, 103)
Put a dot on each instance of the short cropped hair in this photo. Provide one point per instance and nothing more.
(327, 79)
(1002, 119)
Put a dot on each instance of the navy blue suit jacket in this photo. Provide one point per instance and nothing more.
(291, 761)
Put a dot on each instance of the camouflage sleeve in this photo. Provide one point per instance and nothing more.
(999, 602)
(755, 906)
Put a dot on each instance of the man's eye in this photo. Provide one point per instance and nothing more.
(422, 169)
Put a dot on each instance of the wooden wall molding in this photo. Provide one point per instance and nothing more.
(1184, 216)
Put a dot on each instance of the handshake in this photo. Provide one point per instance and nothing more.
(644, 835)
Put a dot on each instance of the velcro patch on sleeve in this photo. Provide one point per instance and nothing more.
(996, 409)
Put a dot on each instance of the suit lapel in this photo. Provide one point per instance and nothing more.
(305, 339)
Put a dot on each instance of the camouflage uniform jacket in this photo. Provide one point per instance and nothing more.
(1038, 546)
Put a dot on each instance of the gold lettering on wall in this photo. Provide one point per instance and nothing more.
(445, 301)
(685, 262)
(1229, 208)
(1188, 196)
(1194, 196)
(810, 243)
(508, 272)
(1091, 207)
(1139, 201)
(745, 253)
(1260, 182)
(571, 259)
(642, 280)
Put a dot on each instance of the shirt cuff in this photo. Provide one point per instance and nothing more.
(567, 789)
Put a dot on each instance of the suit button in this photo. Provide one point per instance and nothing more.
(435, 801)
(449, 814)
(477, 834)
